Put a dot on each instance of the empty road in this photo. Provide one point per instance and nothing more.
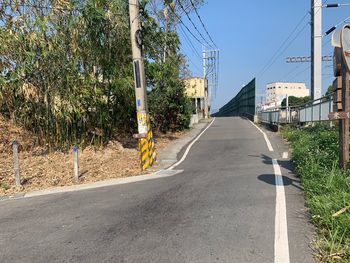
(220, 207)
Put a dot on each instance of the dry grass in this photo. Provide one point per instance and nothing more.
(41, 169)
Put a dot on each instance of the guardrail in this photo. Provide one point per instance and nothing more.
(314, 111)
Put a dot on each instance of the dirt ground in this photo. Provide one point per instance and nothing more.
(41, 170)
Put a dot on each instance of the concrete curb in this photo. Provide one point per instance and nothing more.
(73, 188)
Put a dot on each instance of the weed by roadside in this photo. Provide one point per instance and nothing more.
(327, 188)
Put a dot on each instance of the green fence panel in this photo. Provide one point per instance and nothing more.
(242, 104)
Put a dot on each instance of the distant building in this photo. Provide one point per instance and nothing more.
(197, 90)
(277, 91)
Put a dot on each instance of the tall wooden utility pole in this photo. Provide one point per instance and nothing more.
(144, 135)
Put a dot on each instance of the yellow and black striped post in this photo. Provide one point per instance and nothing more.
(146, 146)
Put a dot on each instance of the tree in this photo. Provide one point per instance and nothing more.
(295, 101)
(329, 90)
(66, 70)
(170, 108)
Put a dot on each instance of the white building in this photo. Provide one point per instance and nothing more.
(277, 91)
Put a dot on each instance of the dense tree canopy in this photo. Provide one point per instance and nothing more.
(296, 101)
(66, 71)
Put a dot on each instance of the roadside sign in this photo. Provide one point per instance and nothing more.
(341, 39)
(339, 115)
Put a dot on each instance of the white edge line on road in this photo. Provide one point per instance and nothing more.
(281, 246)
(190, 146)
(281, 228)
(285, 155)
(265, 136)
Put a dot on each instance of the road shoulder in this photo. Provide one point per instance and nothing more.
(172, 152)
(300, 230)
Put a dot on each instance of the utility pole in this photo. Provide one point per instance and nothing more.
(210, 72)
(316, 49)
(146, 144)
(206, 110)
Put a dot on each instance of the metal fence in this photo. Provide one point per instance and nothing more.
(314, 111)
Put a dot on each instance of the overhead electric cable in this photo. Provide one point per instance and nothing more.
(193, 24)
(271, 60)
(200, 19)
(188, 40)
(188, 30)
(282, 52)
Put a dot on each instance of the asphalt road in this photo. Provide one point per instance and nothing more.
(221, 208)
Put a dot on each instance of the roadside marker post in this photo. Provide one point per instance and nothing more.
(16, 163)
(75, 164)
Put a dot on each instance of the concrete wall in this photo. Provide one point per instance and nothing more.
(195, 118)
(277, 91)
(195, 87)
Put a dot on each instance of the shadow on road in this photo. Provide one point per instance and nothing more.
(286, 164)
(270, 179)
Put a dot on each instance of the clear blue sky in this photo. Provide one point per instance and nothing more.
(248, 33)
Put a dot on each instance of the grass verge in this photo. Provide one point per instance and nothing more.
(327, 188)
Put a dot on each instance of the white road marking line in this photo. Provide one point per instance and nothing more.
(281, 228)
(190, 146)
(269, 146)
(285, 155)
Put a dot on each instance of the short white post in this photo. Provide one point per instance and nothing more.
(75, 164)
(16, 163)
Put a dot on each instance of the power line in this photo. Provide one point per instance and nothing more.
(282, 52)
(188, 30)
(278, 53)
(272, 59)
(188, 40)
(300, 72)
(193, 24)
(194, 64)
(200, 19)
(292, 71)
